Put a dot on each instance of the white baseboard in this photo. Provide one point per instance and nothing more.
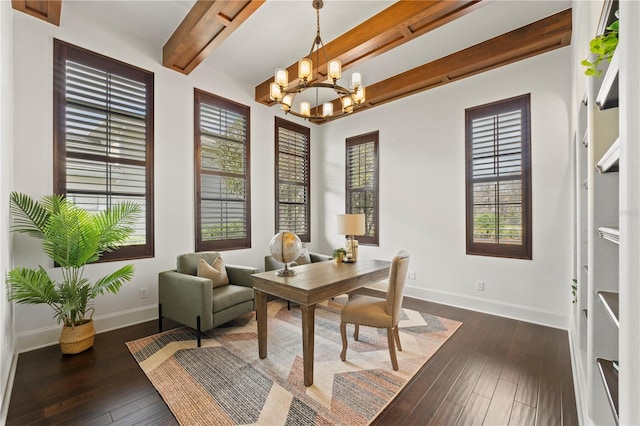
(7, 386)
(579, 381)
(47, 336)
(488, 306)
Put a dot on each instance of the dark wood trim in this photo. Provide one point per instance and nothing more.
(200, 97)
(524, 250)
(525, 42)
(48, 10)
(63, 51)
(357, 140)
(205, 27)
(296, 128)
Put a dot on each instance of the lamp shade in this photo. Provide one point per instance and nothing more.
(351, 224)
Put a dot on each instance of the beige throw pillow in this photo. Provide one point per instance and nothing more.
(216, 273)
(304, 258)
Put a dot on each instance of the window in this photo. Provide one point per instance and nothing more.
(498, 178)
(103, 138)
(222, 191)
(292, 178)
(362, 183)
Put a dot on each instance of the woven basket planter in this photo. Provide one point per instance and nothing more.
(78, 338)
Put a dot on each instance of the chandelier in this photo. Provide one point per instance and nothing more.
(284, 94)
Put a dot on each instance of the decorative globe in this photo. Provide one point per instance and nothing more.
(285, 247)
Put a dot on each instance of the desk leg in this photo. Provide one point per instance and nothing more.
(308, 324)
(261, 315)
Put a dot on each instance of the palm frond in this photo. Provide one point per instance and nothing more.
(32, 286)
(29, 216)
(71, 239)
(112, 282)
(116, 224)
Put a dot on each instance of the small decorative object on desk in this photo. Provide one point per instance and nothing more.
(285, 247)
(350, 225)
(339, 254)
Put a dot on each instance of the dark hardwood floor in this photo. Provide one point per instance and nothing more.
(492, 371)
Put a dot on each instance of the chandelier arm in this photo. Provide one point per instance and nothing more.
(302, 87)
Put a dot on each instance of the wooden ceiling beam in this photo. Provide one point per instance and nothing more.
(401, 22)
(539, 37)
(205, 27)
(47, 10)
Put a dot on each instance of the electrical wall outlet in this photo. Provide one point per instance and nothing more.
(412, 275)
(143, 293)
(480, 285)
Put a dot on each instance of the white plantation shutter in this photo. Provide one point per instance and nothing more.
(222, 170)
(362, 182)
(293, 179)
(104, 138)
(498, 181)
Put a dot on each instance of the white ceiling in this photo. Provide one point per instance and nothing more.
(282, 31)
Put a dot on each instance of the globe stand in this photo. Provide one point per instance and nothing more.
(286, 272)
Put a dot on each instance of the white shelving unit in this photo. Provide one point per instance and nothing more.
(597, 230)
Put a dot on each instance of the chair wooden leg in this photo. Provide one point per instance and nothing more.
(356, 332)
(392, 348)
(198, 329)
(343, 333)
(397, 335)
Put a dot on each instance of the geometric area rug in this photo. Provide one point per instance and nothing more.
(224, 382)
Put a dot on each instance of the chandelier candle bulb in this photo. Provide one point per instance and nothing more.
(327, 109)
(287, 101)
(335, 69)
(356, 80)
(359, 96)
(305, 109)
(347, 104)
(274, 92)
(282, 77)
(305, 69)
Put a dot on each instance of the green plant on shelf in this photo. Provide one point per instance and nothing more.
(602, 48)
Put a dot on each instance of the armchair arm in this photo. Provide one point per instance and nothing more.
(241, 275)
(317, 257)
(185, 297)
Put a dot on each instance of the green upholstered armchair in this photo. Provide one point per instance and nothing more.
(270, 264)
(194, 301)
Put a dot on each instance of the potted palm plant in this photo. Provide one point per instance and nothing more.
(72, 237)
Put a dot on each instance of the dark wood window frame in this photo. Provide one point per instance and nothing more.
(503, 160)
(302, 154)
(202, 97)
(374, 187)
(64, 52)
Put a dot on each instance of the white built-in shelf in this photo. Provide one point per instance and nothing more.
(610, 159)
(610, 301)
(585, 139)
(610, 233)
(586, 268)
(609, 376)
(585, 183)
(608, 94)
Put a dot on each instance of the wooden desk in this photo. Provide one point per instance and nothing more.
(312, 284)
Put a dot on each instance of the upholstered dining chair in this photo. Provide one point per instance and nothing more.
(376, 312)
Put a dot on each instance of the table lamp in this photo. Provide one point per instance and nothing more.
(350, 225)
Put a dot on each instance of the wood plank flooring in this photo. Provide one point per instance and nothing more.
(493, 371)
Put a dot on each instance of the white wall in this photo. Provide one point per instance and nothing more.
(422, 180)
(7, 337)
(422, 191)
(174, 212)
